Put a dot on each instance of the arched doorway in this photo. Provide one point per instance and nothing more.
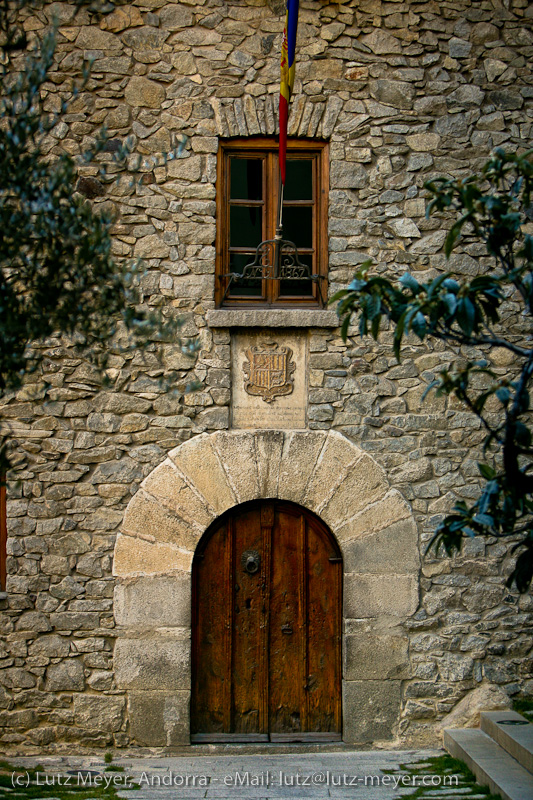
(266, 627)
(203, 479)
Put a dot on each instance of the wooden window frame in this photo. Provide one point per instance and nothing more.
(268, 146)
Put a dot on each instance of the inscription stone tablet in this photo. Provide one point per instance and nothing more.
(269, 379)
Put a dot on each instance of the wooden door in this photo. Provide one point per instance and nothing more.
(266, 628)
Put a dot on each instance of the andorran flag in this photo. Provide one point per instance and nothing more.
(288, 47)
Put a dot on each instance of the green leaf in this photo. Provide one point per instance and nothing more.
(486, 471)
(398, 335)
(376, 322)
(431, 386)
(466, 315)
(451, 238)
(411, 283)
(485, 520)
(373, 306)
(451, 285)
(450, 301)
(418, 325)
(344, 327)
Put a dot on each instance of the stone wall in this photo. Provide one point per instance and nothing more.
(403, 92)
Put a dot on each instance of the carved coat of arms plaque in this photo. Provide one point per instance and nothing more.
(269, 371)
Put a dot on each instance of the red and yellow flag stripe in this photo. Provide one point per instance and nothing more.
(288, 50)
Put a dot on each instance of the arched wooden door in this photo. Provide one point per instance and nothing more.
(267, 587)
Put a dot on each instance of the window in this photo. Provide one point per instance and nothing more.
(247, 214)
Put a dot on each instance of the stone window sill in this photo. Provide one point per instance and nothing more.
(3, 595)
(272, 318)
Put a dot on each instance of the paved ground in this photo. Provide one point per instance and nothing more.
(262, 774)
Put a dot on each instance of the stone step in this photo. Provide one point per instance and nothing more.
(512, 732)
(490, 763)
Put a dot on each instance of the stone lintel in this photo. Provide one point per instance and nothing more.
(272, 318)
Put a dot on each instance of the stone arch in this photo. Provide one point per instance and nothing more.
(211, 473)
(254, 116)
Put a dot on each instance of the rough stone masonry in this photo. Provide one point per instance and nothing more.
(403, 92)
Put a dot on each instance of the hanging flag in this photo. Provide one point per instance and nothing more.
(288, 48)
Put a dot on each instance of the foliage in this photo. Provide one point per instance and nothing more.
(12, 34)
(441, 775)
(58, 273)
(493, 209)
(524, 706)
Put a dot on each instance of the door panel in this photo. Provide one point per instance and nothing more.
(287, 627)
(248, 631)
(323, 665)
(266, 627)
(212, 635)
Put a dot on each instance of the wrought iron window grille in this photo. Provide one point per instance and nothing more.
(275, 259)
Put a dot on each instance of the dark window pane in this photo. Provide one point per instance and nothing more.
(244, 288)
(245, 226)
(246, 179)
(298, 286)
(301, 288)
(298, 180)
(298, 225)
